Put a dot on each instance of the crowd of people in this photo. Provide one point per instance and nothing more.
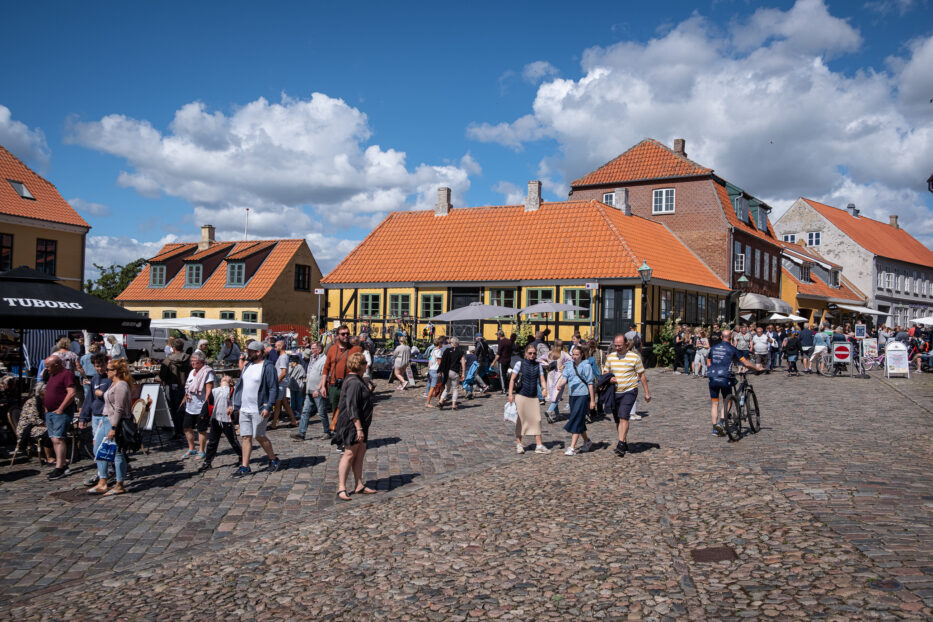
(333, 381)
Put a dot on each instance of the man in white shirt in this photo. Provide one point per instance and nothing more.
(254, 397)
(315, 401)
(761, 347)
(198, 386)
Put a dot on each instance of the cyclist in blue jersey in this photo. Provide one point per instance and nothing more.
(719, 371)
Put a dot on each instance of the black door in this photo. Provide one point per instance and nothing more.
(464, 331)
(618, 311)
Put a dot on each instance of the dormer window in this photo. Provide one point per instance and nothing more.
(236, 274)
(609, 198)
(834, 278)
(805, 273)
(157, 275)
(21, 189)
(193, 275)
(741, 208)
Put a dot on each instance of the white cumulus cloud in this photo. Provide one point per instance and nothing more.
(26, 144)
(302, 166)
(89, 207)
(109, 250)
(538, 70)
(756, 100)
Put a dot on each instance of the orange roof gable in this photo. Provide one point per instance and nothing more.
(733, 219)
(649, 159)
(533, 245)
(213, 249)
(170, 250)
(215, 288)
(250, 250)
(820, 289)
(876, 237)
(48, 205)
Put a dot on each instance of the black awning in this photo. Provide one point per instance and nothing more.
(31, 299)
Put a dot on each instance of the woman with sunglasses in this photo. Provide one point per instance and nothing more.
(529, 373)
(117, 406)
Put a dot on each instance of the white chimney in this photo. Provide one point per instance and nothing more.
(533, 200)
(621, 201)
(893, 220)
(680, 146)
(852, 211)
(442, 207)
(207, 237)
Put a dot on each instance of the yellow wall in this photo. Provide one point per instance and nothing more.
(211, 309)
(69, 250)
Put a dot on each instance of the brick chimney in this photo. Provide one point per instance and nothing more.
(533, 199)
(443, 206)
(621, 201)
(680, 146)
(852, 211)
(207, 237)
(893, 220)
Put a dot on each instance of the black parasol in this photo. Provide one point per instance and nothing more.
(31, 299)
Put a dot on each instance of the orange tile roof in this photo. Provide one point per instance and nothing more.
(818, 288)
(876, 237)
(170, 250)
(215, 287)
(649, 159)
(733, 219)
(49, 204)
(250, 250)
(804, 251)
(536, 245)
(211, 250)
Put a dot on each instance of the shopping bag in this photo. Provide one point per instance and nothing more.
(511, 412)
(107, 451)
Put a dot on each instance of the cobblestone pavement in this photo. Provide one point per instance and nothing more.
(831, 498)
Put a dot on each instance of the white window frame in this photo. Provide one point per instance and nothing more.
(663, 201)
(814, 238)
(154, 271)
(609, 198)
(790, 238)
(805, 273)
(739, 262)
(889, 280)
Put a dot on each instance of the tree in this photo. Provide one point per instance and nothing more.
(113, 280)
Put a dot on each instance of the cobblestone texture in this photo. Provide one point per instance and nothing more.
(831, 497)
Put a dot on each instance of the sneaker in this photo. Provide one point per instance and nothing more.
(339, 449)
(91, 481)
(274, 465)
(587, 446)
(519, 449)
(205, 466)
(621, 449)
(541, 449)
(58, 473)
(327, 436)
(635, 417)
(298, 437)
(718, 430)
(242, 471)
(571, 452)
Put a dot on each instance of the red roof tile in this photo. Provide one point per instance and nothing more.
(215, 288)
(529, 245)
(649, 159)
(211, 250)
(48, 205)
(170, 250)
(250, 250)
(818, 288)
(733, 219)
(876, 237)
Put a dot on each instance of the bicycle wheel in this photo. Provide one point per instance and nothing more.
(827, 368)
(867, 363)
(733, 418)
(751, 411)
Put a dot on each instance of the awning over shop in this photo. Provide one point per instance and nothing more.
(760, 302)
(862, 310)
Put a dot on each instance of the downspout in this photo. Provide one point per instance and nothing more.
(83, 254)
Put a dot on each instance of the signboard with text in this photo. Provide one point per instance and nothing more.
(870, 348)
(859, 331)
(895, 359)
(592, 285)
(319, 291)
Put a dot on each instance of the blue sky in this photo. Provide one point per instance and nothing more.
(155, 118)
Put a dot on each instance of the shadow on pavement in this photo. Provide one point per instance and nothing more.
(384, 484)
(382, 442)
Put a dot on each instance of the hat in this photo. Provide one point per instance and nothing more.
(255, 346)
(477, 336)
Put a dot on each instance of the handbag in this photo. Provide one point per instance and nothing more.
(511, 412)
(128, 436)
(107, 452)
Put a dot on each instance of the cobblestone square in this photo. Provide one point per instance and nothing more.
(827, 510)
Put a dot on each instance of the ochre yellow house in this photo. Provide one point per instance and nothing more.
(38, 228)
(815, 287)
(271, 281)
(416, 265)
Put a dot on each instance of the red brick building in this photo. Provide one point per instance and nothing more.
(722, 224)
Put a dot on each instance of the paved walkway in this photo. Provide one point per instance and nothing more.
(831, 498)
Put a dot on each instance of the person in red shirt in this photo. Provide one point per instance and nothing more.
(60, 391)
(335, 369)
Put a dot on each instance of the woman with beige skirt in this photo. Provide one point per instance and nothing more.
(529, 375)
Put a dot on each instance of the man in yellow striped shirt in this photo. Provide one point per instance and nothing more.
(627, 369)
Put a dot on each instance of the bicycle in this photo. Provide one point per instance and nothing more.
(873, 361)
(741, 404)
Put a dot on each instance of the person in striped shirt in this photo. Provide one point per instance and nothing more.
(626, 367)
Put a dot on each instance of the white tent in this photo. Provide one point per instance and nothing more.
(862, 310)
(197, 324)
(923, 320)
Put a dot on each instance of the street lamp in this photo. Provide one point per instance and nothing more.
(742, 286)
(645, 273)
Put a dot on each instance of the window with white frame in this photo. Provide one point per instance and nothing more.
(662, 201)
(156, 275)
(889, 280)
(813, 238)
(789, 237)
(741, 208)
(899, 283)
(609, 198)
(834, 279)
(805, 273)
(739, 262)
(907, 283)
(665, 304)
(916, 284)
(578, 297)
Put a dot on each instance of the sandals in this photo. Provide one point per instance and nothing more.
(189, 454)
(348, 497)
(365, 490)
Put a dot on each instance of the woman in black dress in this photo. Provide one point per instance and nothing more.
(355, 414)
